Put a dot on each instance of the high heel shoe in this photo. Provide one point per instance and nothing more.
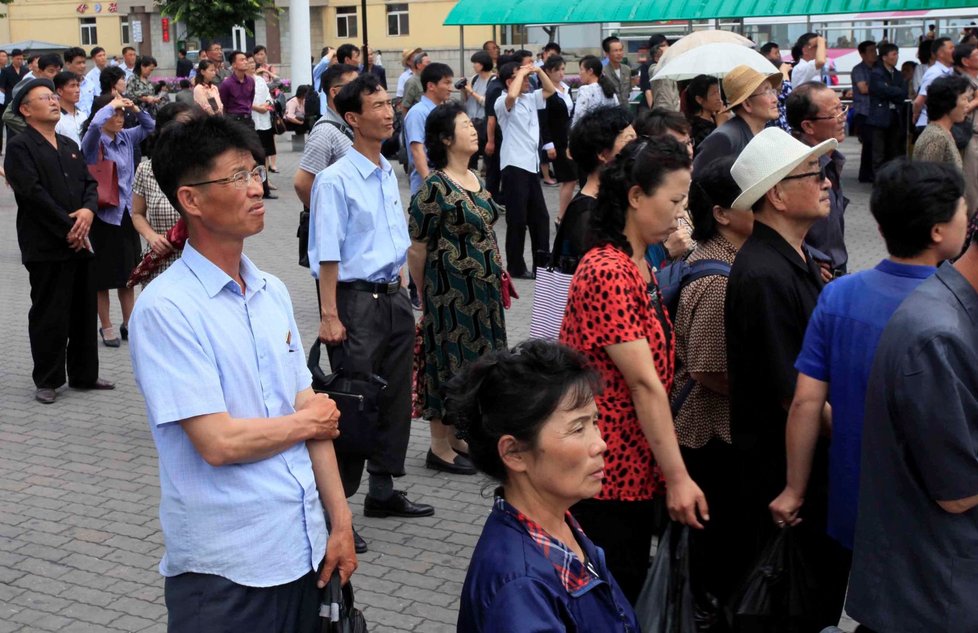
(109, 337)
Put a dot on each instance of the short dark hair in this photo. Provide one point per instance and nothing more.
(865, 46)
(482, 58)
(712, 185)
(185, 152)
(63, 78)
(962, 52)
(127, 48)
(433, 73)
(541, 375)
(438, 128)
(95, 51)
(925, 51)
(937, 44)
(659, 122)
(607, 42)
(146, 61)
(942, 95)
(521, 55)
(507, 70)
(909, 198)
(656, 40)
(74, 52)
(594, 133)
(182, 51)
(184, 83)
(109, 78)
(643, 163)
(485, 45)
(51, 59)
(886, 48)
(31, 57)
(16, 51)
(345, 52)
(799, 106)
(331, 76)
(350, 98)
(553, 62)
(767, 48)
(552, 46)
(258, 49)
(699, 86)
(233, 55)
(800, 44)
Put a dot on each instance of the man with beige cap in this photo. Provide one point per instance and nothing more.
(753, 98)
(772, 290)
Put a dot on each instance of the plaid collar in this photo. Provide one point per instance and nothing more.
(574, 574)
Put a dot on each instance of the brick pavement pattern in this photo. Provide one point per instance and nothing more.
(79, 488)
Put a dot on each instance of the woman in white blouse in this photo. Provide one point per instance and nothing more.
(596, 89)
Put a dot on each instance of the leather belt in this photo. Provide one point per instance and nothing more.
(386, 288)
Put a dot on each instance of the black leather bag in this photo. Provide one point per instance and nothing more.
(337, 611)
(356, 395)
(303, 234)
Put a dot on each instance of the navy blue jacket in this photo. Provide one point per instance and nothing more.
(514, 585)
(885, 88)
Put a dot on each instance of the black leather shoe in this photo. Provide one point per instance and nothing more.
(459, 466)
(124, 332)
(398, 505)
(98, 385)
(359, 544)
(45, 395)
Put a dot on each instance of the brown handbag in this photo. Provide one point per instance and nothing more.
(106, 174)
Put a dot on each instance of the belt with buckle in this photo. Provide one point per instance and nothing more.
(385, 288)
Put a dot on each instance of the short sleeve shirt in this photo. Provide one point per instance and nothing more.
(804, 71)
(325, 145)
(914, 564)
(860, 101)
(936, 70)
(609, 303)
(521, 133)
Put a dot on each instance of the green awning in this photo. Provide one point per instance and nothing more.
(487, 12)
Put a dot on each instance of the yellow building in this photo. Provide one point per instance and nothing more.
(70, 22)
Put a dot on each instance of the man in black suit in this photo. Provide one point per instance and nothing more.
(887, 94)
(56, 202)
(184, 65)
(9, 77)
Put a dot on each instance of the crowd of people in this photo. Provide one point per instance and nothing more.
(777, 392)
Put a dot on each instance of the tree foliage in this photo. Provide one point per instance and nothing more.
(213, 18)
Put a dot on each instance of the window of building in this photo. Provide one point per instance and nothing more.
(89, 32)
(124, 25)
(346, 22)
(397, 19)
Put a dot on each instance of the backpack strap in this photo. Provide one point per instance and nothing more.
(706, 268)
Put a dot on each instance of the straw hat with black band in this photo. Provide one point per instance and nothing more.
(742, 81)
(408, 54)
(767, 159)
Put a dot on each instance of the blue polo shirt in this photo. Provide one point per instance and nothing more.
(839, 347)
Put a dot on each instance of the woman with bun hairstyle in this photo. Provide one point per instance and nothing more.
(533, 568)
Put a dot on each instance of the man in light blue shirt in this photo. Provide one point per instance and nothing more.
(359, 242)
(437, 82)
(247, 465)
(90, 87)
(943, 65)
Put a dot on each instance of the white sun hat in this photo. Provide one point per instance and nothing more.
(767, 159)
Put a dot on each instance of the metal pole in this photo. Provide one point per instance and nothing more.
(363, 12)
(461, 51)
(300, 48)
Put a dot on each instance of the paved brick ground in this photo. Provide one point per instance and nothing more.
(79, 535)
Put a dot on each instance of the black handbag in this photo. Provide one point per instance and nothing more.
(303, 234)
(357, 397)
(962, 132)
(337, 612)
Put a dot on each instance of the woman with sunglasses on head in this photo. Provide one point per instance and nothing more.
(616, 319)
(533, 568)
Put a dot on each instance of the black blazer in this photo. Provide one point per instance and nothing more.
(48, 184)
(885, 88)
(10, 78)
(555, 123)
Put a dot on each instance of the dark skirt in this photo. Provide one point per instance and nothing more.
(267, 138)
(116, 252)
(563, 169)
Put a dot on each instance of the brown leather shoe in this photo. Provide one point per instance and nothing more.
(45, 395)
(99, 384)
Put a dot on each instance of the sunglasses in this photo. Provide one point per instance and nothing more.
(820, 175)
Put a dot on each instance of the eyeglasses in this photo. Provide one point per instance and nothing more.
(240, 179)
(843, 109)
(819, 175)
(770, 92)
(48, 97)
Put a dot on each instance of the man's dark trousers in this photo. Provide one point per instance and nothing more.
(62, 322)
(525, 208)
(205, 603)
(380, 339)
(888, 142)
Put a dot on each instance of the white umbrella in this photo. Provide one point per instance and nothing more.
(715, 60)
(701, 38)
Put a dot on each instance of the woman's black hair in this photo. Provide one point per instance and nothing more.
(109, 77)
(698, 87)
(594, 133)
(553, 63)
(643, 163)
(145, 62)
(302, 91)
(909, 198)
(800, 44)
(942, 95)
(169, 112)
(514, 392)
(438, 128)
(593, 64)
(659, 122)
(712, 185)
(203, 65)
(482, 58)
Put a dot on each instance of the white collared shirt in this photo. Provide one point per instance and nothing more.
(521, 133)
(70, 124)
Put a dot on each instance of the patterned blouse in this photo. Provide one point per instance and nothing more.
(159, 212)
(701, 347)
(137, 88)
(609, 303)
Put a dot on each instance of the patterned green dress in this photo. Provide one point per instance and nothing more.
(463, 310)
